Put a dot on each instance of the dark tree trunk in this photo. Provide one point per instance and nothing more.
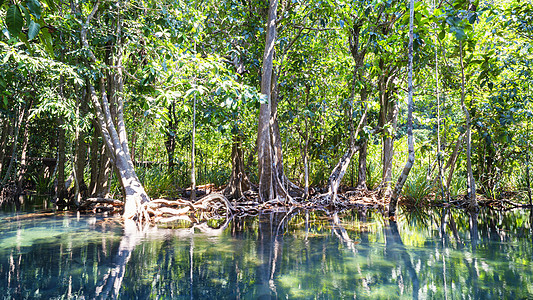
(238, 182)
(170, 142)
(23, 156)
(361, 168)
(6, 132)
(93, 161)
(13, 148)
(104, 170)
(61, 191)
(81, 153)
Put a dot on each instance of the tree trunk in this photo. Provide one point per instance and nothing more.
(270, 166)
(193, 170)
(340, 169)
(170, 142)
(306, 147)
(23, 156)
(6, 132)
(358, 55)
(391, 117)
(239, 182)
(411, 145)
(104, 170)
(81, 153)
(451, 164)
(471, 182)
(361, 169)
(93, 160)
(61, 192)
(14, 145)
(114, 135)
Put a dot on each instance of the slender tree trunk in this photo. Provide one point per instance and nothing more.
(170, 142)
(451, 164)
(388, 142)
(411, 145)
(193, 170)
(528, 182)
(6, 132)
(306, 147)
(13, 149)
(23, 156)
(342, 166)
(361, 167)
(102, 187)
(93, 160)
(61, 192)
(358, 55)
(81, 152)
(471, 182)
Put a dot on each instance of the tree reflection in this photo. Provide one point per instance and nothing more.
(112, 281)
(396, 249)
(444, 254)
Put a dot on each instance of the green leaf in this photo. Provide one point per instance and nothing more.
(442, 35)
(46, 39)
(459, 33)
(472, 18)
(1, 2)
(24, 11)
(14, 20)
(33, 30)
(35, 8)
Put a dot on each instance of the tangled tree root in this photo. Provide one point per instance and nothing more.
(212, 206)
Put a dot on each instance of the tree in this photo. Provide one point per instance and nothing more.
(411, 145)
(111, 122)
(271, 175)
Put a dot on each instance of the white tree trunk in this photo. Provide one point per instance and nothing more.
(114, 136)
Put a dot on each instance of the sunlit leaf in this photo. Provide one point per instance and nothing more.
(33, 30)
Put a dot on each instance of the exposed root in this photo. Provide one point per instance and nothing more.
(216, 205)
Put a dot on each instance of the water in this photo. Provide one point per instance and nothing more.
(442, 254)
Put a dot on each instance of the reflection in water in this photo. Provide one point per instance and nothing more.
(443, 254)
(395, 249)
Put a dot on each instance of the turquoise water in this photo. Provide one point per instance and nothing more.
(442, 254)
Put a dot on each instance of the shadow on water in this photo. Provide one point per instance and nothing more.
(297, 254)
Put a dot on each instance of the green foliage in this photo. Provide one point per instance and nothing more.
(43, 185)
(14, 20)
(417, 187)
(159, 182)
(457, 186)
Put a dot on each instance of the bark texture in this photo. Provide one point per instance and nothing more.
(470, 180)
(271, 177)
(239, 182)
(410, 141)
(112, 126)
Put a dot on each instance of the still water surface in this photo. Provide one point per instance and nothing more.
(442, 254)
